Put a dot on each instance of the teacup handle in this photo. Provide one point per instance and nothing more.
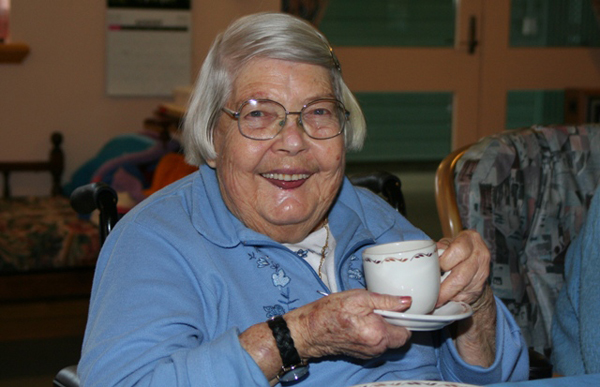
(446, 274)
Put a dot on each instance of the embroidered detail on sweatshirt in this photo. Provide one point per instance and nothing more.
(302, 253)
(280, 280)
(356, 273)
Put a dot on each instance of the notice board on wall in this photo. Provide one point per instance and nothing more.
(148, 47)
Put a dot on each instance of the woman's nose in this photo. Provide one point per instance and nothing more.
(292, 137)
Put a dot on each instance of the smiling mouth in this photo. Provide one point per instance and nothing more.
(285, 177)
(286, 181)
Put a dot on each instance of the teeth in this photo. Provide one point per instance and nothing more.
(281, 176)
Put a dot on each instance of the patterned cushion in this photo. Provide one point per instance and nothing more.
(527, 192)
(38, 234)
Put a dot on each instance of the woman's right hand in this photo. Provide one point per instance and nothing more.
(344, 324)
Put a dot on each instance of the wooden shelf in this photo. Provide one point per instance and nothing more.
(13, 52)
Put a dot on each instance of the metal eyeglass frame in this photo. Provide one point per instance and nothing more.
(236, 115)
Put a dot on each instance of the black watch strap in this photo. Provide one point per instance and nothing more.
(292, 363)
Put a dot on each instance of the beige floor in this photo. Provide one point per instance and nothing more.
(34, 363)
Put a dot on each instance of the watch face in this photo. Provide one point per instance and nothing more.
(294, 374)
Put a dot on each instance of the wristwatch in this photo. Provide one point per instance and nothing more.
(294, 368)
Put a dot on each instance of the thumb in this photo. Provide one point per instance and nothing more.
(391, 303)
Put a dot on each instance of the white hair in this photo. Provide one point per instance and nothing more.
(262, 35)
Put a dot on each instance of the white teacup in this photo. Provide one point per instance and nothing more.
(408, 268)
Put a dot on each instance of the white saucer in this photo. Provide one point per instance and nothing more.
(442, 316)
(403, 383)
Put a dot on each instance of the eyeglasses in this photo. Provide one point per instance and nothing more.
(263, 119)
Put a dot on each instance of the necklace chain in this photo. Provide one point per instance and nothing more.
(324, 250)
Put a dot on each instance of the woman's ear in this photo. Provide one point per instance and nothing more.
(212, 163)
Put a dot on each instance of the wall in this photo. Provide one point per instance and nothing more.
(61, 84)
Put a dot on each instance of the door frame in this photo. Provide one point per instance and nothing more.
(479, 81)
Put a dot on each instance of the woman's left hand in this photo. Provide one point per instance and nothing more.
(468, 258)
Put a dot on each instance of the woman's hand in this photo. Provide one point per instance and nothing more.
(344, 324)
(340, 324)
(468, 258)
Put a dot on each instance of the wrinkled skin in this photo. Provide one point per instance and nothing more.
(469, 259)
(285, 211)
(344, 323)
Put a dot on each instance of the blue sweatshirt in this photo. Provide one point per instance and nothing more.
(180, 277)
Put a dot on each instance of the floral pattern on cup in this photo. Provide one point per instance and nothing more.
(392, 259)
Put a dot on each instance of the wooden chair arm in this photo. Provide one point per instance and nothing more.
(445, 194)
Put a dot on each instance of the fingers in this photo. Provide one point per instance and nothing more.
(460, 249)
(377, 335)
(393, 336)
(391, 303)
(461, 285)
(398, 336)
(443, 243)
(375, 338)
(468, 258)
(344, 323)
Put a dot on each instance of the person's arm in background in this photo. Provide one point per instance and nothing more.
(575, 333)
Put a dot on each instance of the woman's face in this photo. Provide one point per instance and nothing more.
(281, 187)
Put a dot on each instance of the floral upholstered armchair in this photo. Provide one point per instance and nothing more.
(527, 192)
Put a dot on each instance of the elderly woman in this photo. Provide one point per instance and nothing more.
(216, 279)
